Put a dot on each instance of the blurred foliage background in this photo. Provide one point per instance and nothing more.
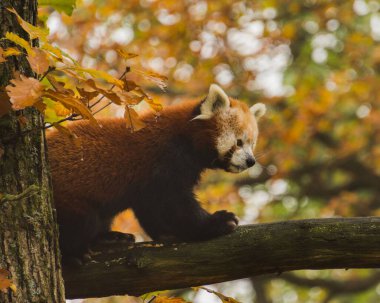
(316, 64)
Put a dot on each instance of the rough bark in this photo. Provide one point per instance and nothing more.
(28, 230)
(252, 250)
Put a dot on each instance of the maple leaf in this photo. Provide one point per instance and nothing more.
(5, 282)
(24, 92)
(38, 61)
(133, 122)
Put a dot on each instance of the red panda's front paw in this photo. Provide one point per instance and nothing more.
(221, 223)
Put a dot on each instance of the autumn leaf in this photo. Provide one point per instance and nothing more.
(222, 297)
(89, 86)
(71, 103)
(156, 78)
(19, 41)
(41, 106)
(98, 74)
(125, 54)
(133, 122)
(58, 55)
(60, 110)
(11, 51)
(24, 92)
(33, 31)
(38, 61)
(5, 282)
(2, 57)
(163, 299)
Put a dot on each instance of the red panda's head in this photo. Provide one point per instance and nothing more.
(236, 129)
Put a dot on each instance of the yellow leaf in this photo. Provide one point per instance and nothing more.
(132, 119)
(24, 92)
(5, 282)
(38, 61)
(90, 86)
(125, 54)
(19, 41)
(71, 103)
(33, 31)
(54, 50)
(11, 51)
(98, 74)
(163, 299)
(60, 110)
(157, 106)
(222, 297)
(158, 79)
(2, 57)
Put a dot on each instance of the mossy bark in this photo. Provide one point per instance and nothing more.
(28, 229)
(250, 251)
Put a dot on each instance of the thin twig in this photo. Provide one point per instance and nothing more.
(50, 69)
(127, 70)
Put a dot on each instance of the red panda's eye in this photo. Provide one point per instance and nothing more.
(239, 143)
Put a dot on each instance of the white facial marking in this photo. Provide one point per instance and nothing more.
(225, 142)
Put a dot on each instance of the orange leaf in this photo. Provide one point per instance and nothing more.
(24, 92)
(163, 299)
(38, 61)
(71, 103)
(158, 79)
(2, 56)
(222, 297)
(132, 119)
(60, 110)
(125, 54)
(5, 282)
(11, 51)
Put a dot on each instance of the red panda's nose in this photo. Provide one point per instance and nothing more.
(250, 161)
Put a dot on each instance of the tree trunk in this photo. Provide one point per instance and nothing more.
(28, 229)
(251, 250)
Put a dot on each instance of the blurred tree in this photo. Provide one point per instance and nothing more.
(316, 63)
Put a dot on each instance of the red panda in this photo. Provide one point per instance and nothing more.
(152, 171)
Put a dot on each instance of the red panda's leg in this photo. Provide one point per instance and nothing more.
(183, 218)
(79, 230)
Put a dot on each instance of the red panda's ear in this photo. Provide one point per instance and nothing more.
(216, 100)
(258, 110)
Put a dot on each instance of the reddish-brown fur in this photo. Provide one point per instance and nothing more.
(152, 171)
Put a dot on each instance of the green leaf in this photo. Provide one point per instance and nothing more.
(66, 6)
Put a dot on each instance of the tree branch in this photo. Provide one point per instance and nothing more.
(250, 251)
